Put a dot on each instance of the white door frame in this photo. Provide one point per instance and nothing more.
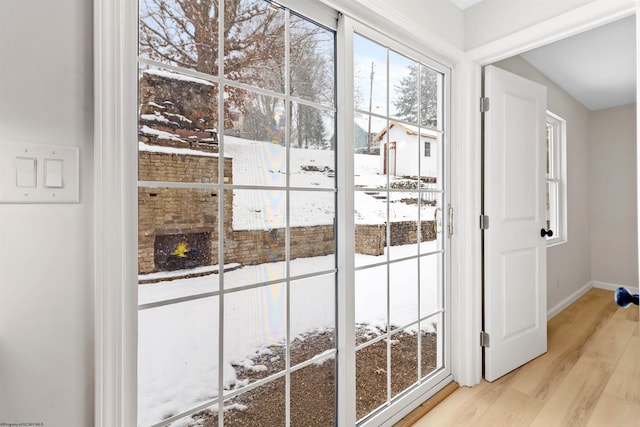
(578, 20)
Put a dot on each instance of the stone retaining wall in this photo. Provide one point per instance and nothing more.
(163, 211)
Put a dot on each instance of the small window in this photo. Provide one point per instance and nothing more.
(556, 205)
(427, 149)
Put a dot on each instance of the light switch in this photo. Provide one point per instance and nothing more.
(53, 173)
(39, 173)
(25, 172)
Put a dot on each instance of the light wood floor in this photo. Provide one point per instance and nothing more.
(590, 376)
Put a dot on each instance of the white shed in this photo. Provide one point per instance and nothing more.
(412, 151)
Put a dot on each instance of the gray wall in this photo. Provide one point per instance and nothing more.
(612, 141)
(46, 251)
(568, 264)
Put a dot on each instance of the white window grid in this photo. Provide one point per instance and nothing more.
(217, 404)
(442, 314)
(429, 192)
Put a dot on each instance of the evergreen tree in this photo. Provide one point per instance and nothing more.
(406, 102)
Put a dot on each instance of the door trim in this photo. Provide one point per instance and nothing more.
(578, 20)
(115, 221)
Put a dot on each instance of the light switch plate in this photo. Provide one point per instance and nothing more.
(56, 175)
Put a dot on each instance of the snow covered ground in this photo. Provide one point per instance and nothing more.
(265, 164)
(178, 344)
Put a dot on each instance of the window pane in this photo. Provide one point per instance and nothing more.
(403, 293)
(256, 239)
(313, 245)
(177, 358)
(371, 301)
(370, 210)
(254, 138)
(177, 233)
(254, 44)
(552, 208)
(313, 317)
(403, 88)
(371, 378)
(370, 143)
(404, 360)
(432, 215)
(549, 145)
(313, 395)
(255, 407)
(431, 111)
(177, 133)
(370, 76)
(312, 147)
(179, 34)
(312, 61)
(431, 172)
(254, 334)
(403, 223)
(431, 353)
(431, 294)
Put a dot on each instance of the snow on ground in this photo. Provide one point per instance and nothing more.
(178, 344)
(172, 150)
(263, 163)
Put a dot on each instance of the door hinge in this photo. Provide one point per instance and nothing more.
(484, 339)
(484, 105)
(450, 222)
(484, 222)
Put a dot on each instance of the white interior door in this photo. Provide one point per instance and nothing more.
(514, 251)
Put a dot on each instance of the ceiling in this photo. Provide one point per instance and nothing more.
(463, 4)
(597, 67)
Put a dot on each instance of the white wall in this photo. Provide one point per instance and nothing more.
(490, 20)
(612, 142)
(46, 296)
(441, 17)
(568, 264)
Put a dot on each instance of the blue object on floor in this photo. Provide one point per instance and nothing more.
(623, 297)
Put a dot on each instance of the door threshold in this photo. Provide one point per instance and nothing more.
(412, 417)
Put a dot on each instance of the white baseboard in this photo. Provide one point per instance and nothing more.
(552, 312)
(612, 286)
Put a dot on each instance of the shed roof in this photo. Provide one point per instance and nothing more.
(409, 129)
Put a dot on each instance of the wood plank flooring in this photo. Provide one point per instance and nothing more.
(590, 376)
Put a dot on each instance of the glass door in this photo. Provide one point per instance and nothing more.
(236, 208)
(242, 313)
(400, 203)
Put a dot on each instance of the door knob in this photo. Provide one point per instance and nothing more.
(544, 232)
(623, 297)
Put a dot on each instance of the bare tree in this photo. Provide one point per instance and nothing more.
(185, 33)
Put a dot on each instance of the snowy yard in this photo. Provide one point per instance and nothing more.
(179, 345)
